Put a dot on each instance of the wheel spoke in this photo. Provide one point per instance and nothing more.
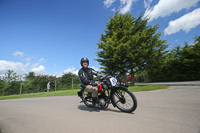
(116, 94)
(119, 95)
(117, 101)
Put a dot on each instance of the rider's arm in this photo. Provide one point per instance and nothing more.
(97, 73)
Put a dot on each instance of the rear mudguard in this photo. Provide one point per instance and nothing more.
(80, 93)
(113, 91)
(82, 87)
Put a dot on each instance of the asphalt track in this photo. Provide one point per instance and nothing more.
(183, 83)
(172, 110)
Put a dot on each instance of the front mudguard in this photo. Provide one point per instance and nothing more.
(113, 90)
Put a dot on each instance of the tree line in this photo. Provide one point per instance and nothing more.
(178, 64)
(12, 83)
(129, 46)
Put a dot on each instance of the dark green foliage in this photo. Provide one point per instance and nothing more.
(36, 83)
(40, 83)
(11, 76)
(10, 84)
(66, 81)
(179, 64)
(30, 76)
(185, 61)
(129, 45)
(1, 87)
(11, 88)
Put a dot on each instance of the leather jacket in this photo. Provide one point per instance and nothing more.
(86, 75)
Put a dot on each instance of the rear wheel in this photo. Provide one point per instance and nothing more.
(87, 98)
(124, 100)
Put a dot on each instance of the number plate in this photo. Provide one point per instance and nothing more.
(113, 81)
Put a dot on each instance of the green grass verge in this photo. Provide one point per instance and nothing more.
(147, 88)
(74, 92)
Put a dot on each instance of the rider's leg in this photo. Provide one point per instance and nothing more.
(94, 91)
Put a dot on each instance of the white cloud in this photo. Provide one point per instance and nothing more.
(38, 70)
(18, 53)
(42, 60)
(71, 70)
(35, 65)
(24, 56)
(147, 3)
(27, 64)
(167, 7)
(185, 23)
(95, 68)
(22, 67)
(113, 9)
(108, 3)
(28, 59)
(126, 6)
(10, 65)
(75, 71)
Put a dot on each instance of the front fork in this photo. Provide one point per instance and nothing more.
(113, 91)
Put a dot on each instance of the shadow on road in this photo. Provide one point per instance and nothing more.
(1, 131)
(85, 108)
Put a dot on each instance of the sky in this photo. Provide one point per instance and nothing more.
(51, 36)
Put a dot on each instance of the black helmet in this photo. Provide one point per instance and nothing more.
(84, 60)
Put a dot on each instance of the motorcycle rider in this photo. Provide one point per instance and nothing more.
(86, 77)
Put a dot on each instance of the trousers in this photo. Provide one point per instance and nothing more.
(92, 89)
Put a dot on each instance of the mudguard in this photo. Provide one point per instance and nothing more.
(123, 87)
(82, 87)
(80, 93)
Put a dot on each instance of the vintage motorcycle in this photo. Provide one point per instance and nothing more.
(111, 90)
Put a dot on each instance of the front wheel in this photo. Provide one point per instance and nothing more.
(124, 100)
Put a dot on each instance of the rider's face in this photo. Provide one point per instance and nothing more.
(85, 64)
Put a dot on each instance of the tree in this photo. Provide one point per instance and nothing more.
(179, 64)
(40, 83)
(128, 45)
(2, 83)
(11, 88)
(30, 76)
(195, 56)
(10, 76)
(66, 80)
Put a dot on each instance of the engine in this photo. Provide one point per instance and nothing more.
(102, 102)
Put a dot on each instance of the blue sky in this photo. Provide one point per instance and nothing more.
(51, 36)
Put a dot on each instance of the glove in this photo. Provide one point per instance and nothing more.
(93, 84)
(100, 75)
(101, 78)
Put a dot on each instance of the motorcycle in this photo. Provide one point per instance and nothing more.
(110, 91)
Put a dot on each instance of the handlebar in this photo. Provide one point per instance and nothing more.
(105, 77)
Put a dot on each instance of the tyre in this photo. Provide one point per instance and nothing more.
(124, 100)
(87, 98)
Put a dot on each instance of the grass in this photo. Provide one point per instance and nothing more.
(147, 88)
(74, 92)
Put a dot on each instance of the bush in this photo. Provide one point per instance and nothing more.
(1, 87)
(11, 88)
